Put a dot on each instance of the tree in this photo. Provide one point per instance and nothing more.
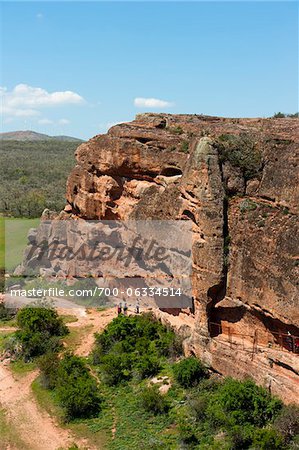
(40, 331)
(189, 372)
(76, 389)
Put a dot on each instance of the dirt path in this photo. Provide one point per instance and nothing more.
(94, 321)
(35, 426)
(8, 329)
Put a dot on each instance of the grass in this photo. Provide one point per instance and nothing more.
(135, 428)
(46, 400)
(68, 318)
(8, 323)
(15, 237)
(9, 436)
(3, 337)
(75, 337)
(22, 368)
(82, 429)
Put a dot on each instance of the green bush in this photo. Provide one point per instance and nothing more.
(240, 403)
(187, 433)
(116, 368)
(39, 320)
(36, 344)
(147, 366)
(152, 401)
(133, 345)
(267, 439)
(48, 365)
(76, 389)
(247, 205)
(240, 437)
(175, 130)
(189, 372)
(198, 406)
(40, 331)
(241, 151)
(231, 414)
(279, 115)
(184, 147)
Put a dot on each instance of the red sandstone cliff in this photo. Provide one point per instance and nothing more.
(237, 181)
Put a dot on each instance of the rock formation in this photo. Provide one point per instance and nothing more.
(237, 181)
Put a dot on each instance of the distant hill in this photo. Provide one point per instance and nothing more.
(34, 136)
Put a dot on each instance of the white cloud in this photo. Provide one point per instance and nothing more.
(24, 100)
(45, 122)
(64, 122)
(18, 112)
(141, 102)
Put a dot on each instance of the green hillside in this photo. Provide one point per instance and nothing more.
(33, 176)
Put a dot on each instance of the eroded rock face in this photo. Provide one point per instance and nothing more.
(245, 228)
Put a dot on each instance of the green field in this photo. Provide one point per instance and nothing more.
(13, 240)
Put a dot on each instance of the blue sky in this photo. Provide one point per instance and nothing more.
(77, 68)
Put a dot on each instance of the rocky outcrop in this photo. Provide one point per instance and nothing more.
(236, 180)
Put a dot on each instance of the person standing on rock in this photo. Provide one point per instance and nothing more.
(119, 309)
(125, 308)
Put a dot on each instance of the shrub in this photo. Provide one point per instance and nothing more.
(48, 365)
(147, 366)
(40, 331)
(198, 406)
(241, 151)
(247, 205)
(76, 389)
(267, 439)
(175, 130)
(184, 147)
(133, 345)
(152, 401)
(36, 344)
(287, 423)
(240, 403)
(240, 436)
(39, 320)
(279, 115)
(116, 368)
(189, 371)
(187, 432)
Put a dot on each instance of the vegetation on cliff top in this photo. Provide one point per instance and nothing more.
(241, 151)
(280, 115)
